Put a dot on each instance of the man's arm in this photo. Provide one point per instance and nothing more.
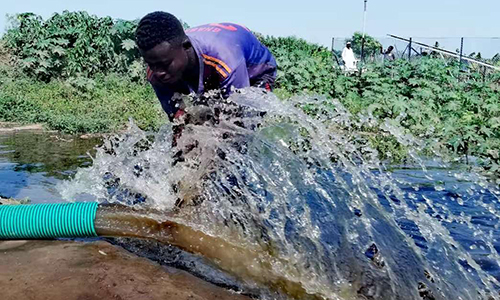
(164, 95)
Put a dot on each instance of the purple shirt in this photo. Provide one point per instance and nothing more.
(229, 56)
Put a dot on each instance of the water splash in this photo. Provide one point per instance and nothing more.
(309, 190)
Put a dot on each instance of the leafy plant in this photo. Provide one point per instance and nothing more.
(303, 67)
(371, 47)
(71, 44)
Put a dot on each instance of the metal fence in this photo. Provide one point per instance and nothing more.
(483, 52)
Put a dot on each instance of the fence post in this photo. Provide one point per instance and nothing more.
(363, 49)
(461, 53)
(409, 50)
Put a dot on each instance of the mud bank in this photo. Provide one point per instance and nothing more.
(58, 270)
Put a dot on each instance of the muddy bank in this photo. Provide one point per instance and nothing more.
(65, 270)
(13, 127)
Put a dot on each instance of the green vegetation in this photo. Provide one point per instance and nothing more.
(80, 73)
(431, 101)
(76, 73)
(302, 66)
(372, 46)
(71, 44)
(102, 104)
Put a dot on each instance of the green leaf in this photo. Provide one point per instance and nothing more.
(128, 44)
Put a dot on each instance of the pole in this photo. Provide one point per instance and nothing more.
(409, 50)
(362, 49)
(364, 19)
(364, 29)
(333, 43)
(461, 53)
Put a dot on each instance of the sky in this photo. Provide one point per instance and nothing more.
(314, 20)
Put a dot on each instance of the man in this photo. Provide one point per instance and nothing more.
(219, 56)
(388, 54)
(348, 57)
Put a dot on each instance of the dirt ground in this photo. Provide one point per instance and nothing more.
(67, 270)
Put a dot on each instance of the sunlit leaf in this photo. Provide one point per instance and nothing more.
(128, 44)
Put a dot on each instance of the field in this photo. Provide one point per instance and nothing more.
(79, 73)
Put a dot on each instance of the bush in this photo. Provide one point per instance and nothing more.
(372, 46)
(302, 66)
(71, 44)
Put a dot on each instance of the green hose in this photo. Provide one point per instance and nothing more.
(44, 221)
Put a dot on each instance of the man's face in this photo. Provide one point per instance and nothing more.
(167, 61)
(348, 46)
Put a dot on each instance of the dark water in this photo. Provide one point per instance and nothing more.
(32, 163)
(476, 207)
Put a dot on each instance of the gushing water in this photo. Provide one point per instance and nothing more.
(309, 194)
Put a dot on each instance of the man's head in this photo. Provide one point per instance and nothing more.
(348, 45)
(390, 48)
(164, 46)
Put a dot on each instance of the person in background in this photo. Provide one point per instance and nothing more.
(216, 56)
(348, 57)
(388, 54)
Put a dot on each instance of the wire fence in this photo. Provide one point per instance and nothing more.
(471, 52)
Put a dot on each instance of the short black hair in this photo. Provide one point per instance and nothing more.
(158, 27)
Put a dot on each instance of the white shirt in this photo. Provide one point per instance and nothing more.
(348, 58)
